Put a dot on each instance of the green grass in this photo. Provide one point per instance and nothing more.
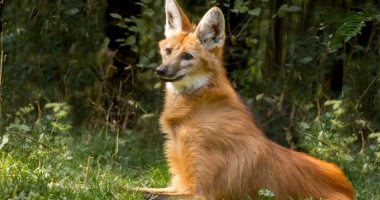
(90, 165)
(81, 167)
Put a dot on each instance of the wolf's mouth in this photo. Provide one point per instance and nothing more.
(170, 79)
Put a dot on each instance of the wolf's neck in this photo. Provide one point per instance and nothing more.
(188, 84)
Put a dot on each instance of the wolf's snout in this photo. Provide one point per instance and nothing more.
(161, 70)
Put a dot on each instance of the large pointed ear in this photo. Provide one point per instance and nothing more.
(176, 20)
(211, 29)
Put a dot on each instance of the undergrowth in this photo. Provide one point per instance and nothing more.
(43, 157)
(81, 167)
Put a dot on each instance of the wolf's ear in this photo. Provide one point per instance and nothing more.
(176, 20)
(211, 29)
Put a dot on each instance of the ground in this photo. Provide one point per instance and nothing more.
(96, 166)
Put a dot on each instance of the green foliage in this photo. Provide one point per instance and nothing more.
(265, 194)
(37, 127)
(145, 30)
(285, 9)
(283, 58)
(50, 49)
(40, 161)
(348, 27)
(243, 7)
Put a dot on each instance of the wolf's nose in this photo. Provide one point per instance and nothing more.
(161, 70)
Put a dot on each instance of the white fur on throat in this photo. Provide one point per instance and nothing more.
(188, 84)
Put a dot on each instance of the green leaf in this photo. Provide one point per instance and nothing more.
(18, 127)
(306, 60)
(24, 127)
(294, 8)
(285, 8)
(61, 114)
(133, 29)
(250, 42)
(72, 11)
(149, 12)
(240, 6)
(303, 125)
(375, 135)
(120, 40)
(255, 12)
(266, 193)
(131, 40)
(282, 10)
(122, 25)
(128, 20)
(116, 16)
(350, 26)
(260, 96)
(4, 141)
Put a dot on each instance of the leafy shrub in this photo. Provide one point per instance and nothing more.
(37, 127)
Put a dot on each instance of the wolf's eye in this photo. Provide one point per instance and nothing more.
(187, 56)
(168, 51)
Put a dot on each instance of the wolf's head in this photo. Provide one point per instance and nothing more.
(191, 55)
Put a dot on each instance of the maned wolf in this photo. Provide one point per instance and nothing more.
(214, 149)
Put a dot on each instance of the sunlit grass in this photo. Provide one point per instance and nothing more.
(82, 167)
(89, 166)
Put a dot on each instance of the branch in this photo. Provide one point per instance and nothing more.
(34, 140)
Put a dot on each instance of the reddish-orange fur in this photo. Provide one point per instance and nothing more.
(215, 150)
